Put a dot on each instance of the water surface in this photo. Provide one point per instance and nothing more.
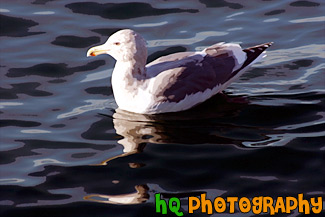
(65, 148)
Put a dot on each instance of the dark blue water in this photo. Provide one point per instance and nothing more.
(65, 148)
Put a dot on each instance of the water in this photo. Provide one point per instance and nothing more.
(65, 149)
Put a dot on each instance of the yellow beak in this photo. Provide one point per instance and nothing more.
(95, 51)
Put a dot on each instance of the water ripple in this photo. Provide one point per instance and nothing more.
(66, 150)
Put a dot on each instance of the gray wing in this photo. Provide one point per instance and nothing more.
(182, 74)
(168, 62)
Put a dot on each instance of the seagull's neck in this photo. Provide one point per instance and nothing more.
(134, 70)
(127, 77)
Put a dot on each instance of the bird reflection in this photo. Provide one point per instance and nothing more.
(140, 196)
(217, 121)
(146, 192)
(197, 126)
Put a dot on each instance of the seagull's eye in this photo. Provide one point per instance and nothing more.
(117, 43)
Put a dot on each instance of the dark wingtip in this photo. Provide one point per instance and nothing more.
(253, 52)
(269, 43)
(260, 47)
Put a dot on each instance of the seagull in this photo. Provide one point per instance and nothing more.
(175, 82)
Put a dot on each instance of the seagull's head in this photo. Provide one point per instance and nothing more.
(124, 45)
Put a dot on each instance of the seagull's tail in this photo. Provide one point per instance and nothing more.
(254, 53)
